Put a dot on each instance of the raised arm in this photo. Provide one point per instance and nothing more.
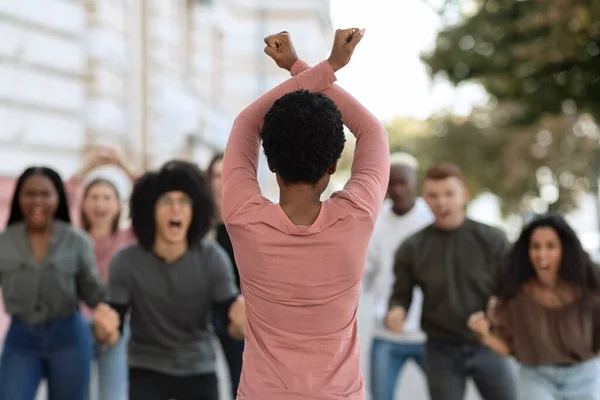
(240, 163)
(98, 157)
(371, 165)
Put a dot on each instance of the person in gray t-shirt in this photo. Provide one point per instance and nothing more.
(170, 280)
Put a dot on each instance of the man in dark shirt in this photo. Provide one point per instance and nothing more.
(455, 261)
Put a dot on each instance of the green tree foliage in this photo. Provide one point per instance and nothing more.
(542, 54)
(540, 61)
(504, 161)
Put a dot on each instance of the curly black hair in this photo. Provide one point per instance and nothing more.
(576, 264)
(303, 136)
(172, 176)
(62, 211)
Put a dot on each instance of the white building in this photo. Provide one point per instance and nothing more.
(158, 77)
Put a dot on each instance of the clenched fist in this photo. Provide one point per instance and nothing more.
(280, 48)
(394, 320)
(479, 324)
(237, 316)
(106, 324)
(344, 43)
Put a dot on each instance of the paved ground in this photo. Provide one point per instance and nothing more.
(411, 387)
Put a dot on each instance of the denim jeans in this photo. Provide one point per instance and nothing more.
(60, 351)
(448, 366)
(387, 360)
(577, 382)
(112, 368)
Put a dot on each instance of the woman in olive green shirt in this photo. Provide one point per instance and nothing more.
(46, 268)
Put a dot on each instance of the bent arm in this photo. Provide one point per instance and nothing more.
(119, 287)
(90, 288)
(371, 165)
(404, 280)
(240, 163)
(496, 344)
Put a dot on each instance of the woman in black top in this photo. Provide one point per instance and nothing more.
(233, 348)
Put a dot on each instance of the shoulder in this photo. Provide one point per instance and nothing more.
(9, 233)
(487, 232)
(132, 251)
(74, 235)
(382, 222)
(414, 241)
(209, 250)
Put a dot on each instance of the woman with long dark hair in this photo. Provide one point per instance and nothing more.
(96, 205)
(46, 268)
(233, 348)
(547, 314)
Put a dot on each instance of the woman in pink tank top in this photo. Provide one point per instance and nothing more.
(96, 208)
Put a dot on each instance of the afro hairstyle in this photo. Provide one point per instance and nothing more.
(303, 136)
(172, 176)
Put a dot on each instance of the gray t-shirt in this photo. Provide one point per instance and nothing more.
(171, 330)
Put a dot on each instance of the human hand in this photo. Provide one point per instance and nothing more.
(344, 43)
(394, 319)
(237, 312)
(106, 324)
(280, 48)
(479, 324)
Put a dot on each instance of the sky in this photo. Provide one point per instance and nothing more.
(386, 73)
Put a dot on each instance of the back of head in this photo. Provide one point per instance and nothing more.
(173, 176)
(303, 136)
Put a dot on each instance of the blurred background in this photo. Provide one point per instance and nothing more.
(508, 90)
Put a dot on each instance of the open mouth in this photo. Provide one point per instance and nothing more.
(445, 214)
(100, 214)
(175, 223)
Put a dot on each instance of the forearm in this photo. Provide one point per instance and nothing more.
(234, 328)
(496, 344)
(240, 164)
(370, 166)
(249, 121)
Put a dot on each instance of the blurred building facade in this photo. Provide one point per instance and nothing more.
(158, 78)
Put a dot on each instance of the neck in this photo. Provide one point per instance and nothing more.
(456, 224)
(399, 211)
(299, 195)
(548, 286)
(39, 231)
(169, 252)
(101, 231)
(301, 203)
